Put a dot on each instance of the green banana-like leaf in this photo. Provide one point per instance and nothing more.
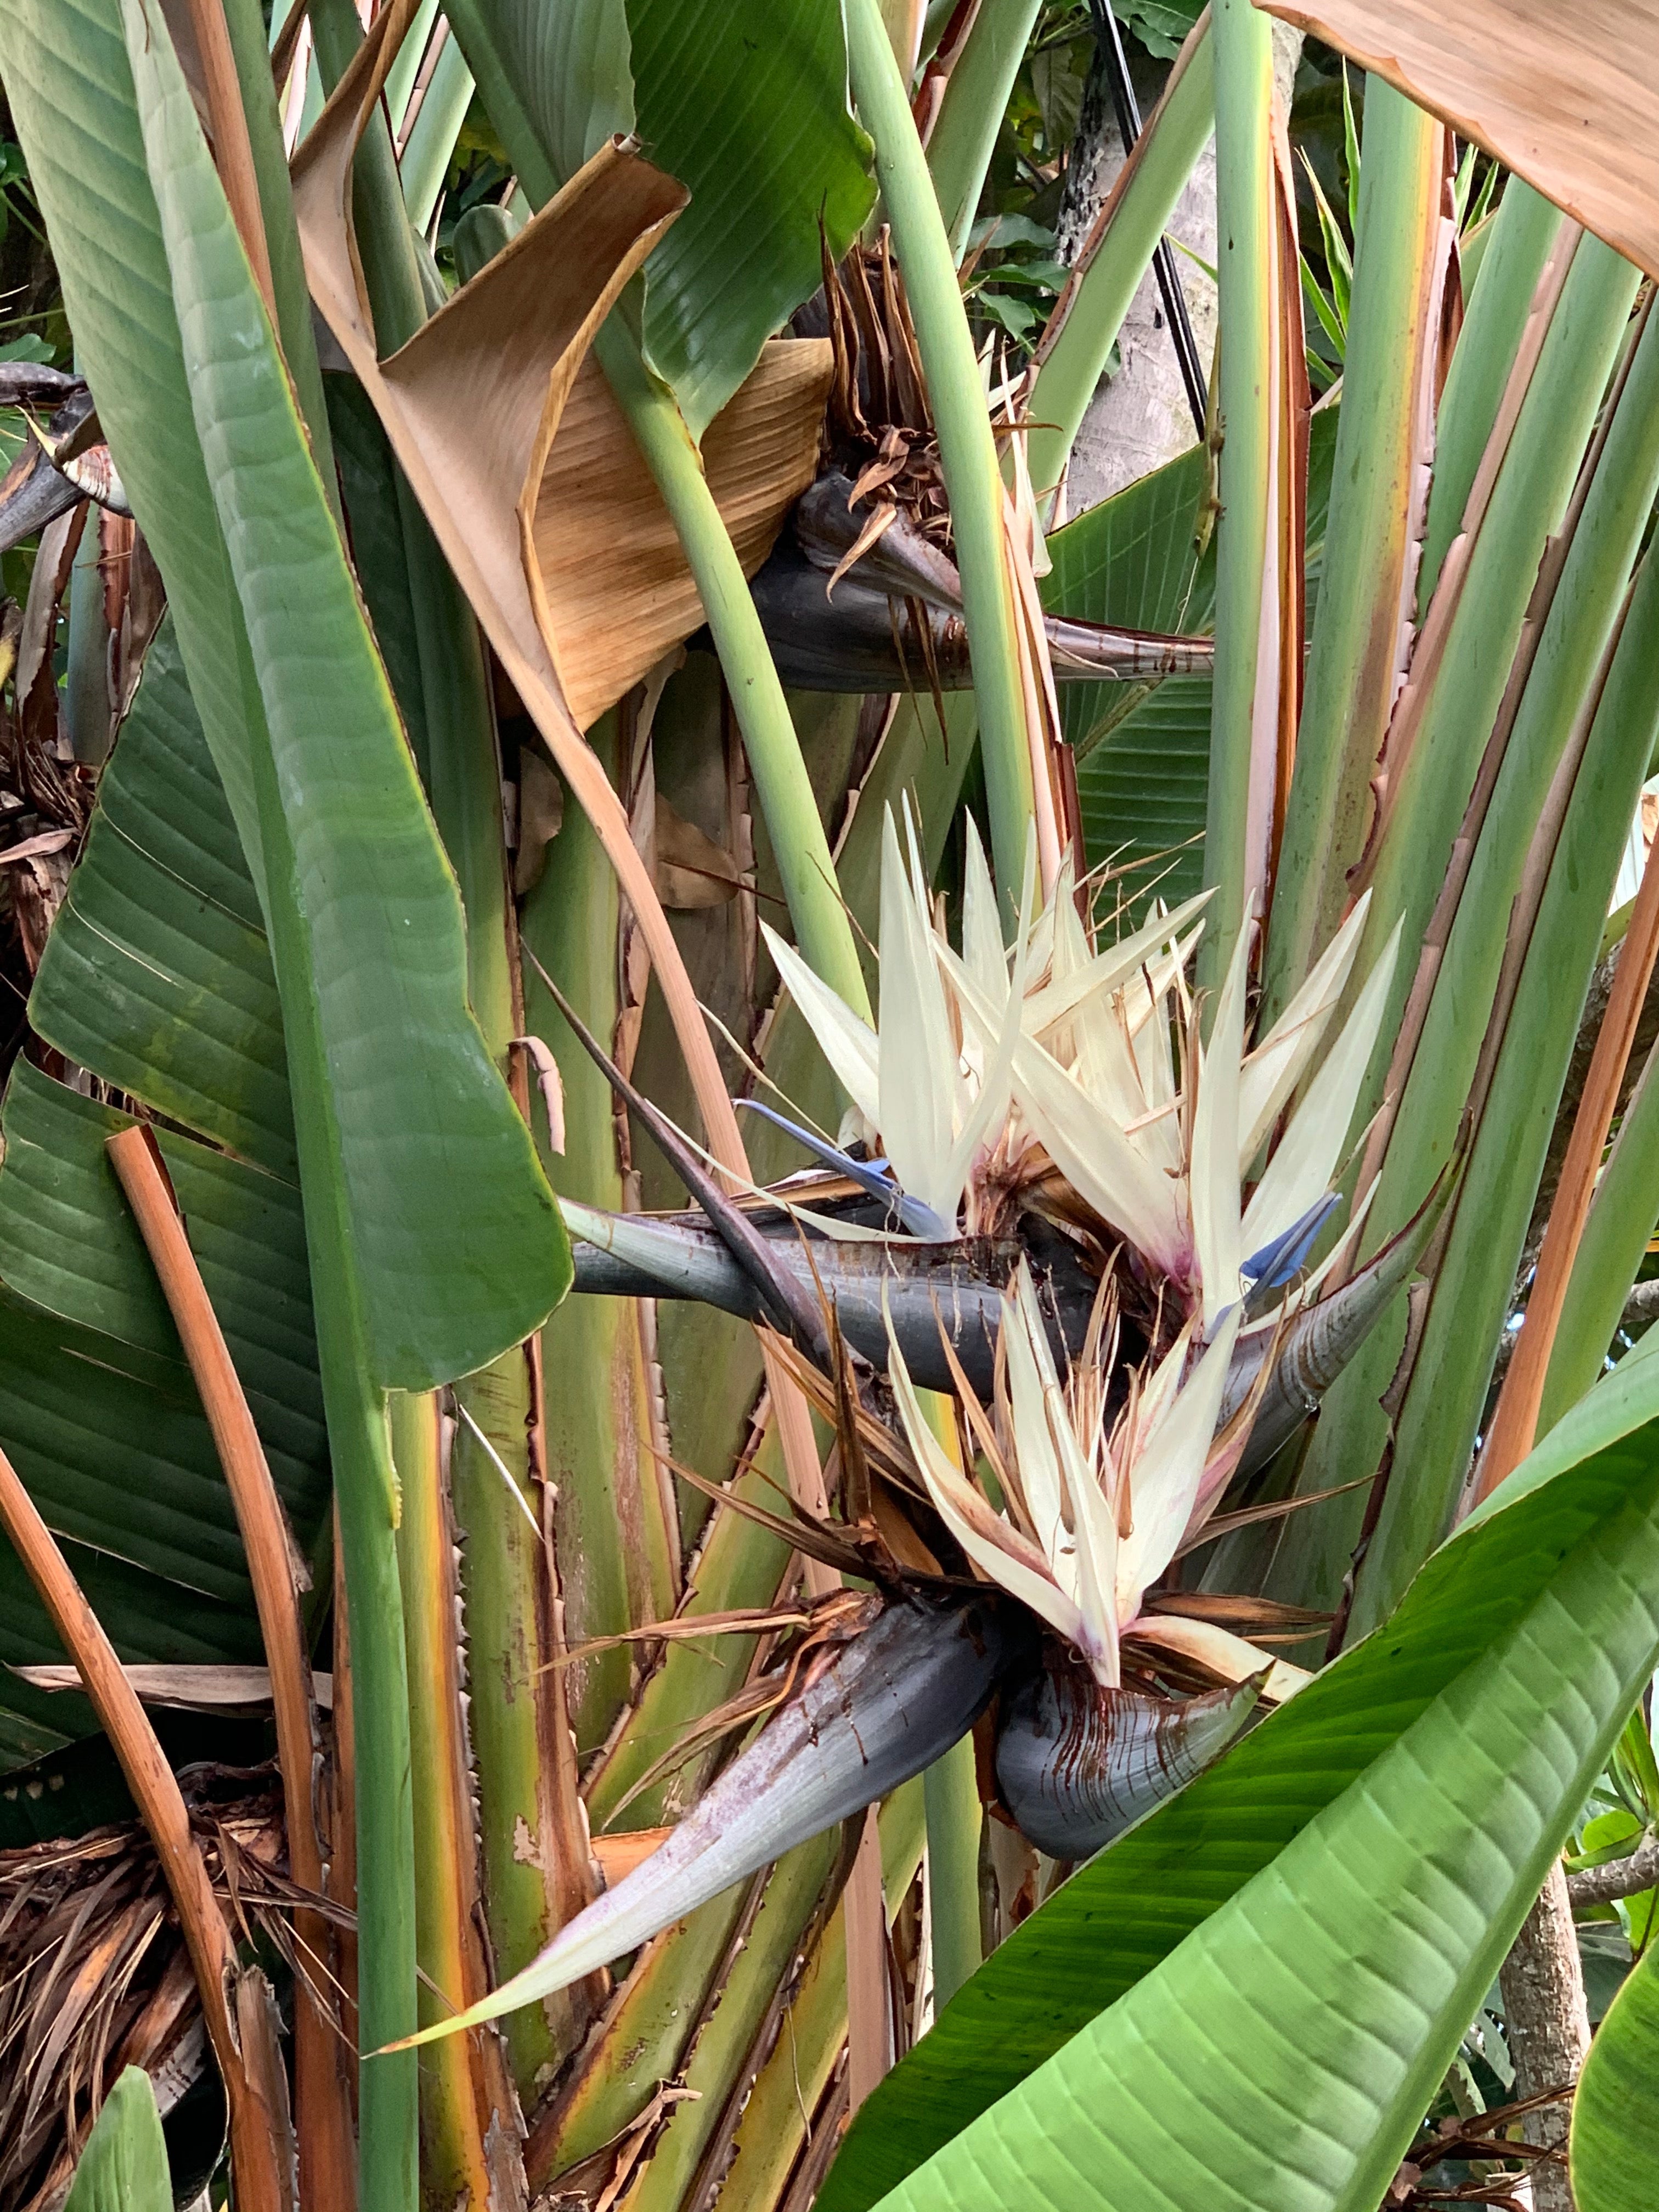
(157, 978)
(1614, 2150)
(123, 2167)
(1324, 1908)
(745, 102)
(455, 1240)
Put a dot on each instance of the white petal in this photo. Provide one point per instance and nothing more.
(981, 931)
(918, 1051)
(966, 1514)
(1088, 1147)
(1170, 1468)
(1094, 1522)
(1213, 1172)
(847, 1041)
(1034, 1448)
(1110, 970)
(1224, 1653)
(990, 1110)
(1275, 1067)
(1306, 1157)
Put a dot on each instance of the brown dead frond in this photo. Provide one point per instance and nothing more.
(94, 1973)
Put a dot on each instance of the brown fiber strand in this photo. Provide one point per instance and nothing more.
(324, 2120)
(1515, 1423)
(156, 1794)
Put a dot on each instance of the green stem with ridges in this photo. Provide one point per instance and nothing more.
(1246, 249)
(714, 2065)
(614, 1563)
(1439, 1419)
(451, 2147)
(970, 115)
(1070, 372)
(1528, 501)
(967, 448)
(1523, 231)
(431, 143)
(1615, 1241)
(777, 2116)
(1355, 642)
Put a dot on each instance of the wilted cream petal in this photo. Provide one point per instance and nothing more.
(1213, 1170)
(1275, 1067)
(991, 1542)
(1110, 970)
(1034, 1448)
(919, 1082)
(846, 1040)
(1168, 1470)
(1305, 1160)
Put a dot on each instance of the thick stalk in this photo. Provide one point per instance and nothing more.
(1453, 727)
(960, 146)
(1439, 1419)
(1523, 231)
(366, 1489)
(1072, 358)
(966, 448)
(1243, 104)
(1515, 1422)
(785, 789)
(1384, 436)
(453, 2159)
(1621, 1220)
(950, 1788)
(430, 146)
(611, 1529)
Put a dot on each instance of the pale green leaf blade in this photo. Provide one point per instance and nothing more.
(123, 2167)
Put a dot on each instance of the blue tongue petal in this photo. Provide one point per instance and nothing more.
(1274, 1265)
(874, 1176)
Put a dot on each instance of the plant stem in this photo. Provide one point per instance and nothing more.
(452, 2155)
(970, 115)
(366, 1489)
(793, 823)
(1246, 248)
(967, 446)
(1393, 336)
(951, 1788)
(1072, 356)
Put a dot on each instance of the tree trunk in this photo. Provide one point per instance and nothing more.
(1543, 1988)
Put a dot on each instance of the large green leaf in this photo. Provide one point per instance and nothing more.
(1615, 2117)
(417, 1150)
(745, 102)
(1326, 1906)
(123, 2167)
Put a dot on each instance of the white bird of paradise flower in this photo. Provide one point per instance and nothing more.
(1088, 1069)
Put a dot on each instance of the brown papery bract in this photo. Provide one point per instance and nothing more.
(1568, 98)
